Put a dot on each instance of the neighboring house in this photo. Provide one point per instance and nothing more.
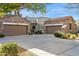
(64, 24)
(37, 23)
(14, 25)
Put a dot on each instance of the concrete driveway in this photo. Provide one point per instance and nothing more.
(46, 42)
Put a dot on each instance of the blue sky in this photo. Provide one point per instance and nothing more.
(53, 11)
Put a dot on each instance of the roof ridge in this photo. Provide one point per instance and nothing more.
(61, 17)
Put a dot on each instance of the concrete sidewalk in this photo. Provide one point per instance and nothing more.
(39, 52)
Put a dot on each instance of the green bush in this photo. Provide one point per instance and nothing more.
(56, 34)
(65, 35)
(38, 32)
(30, 33)
(9, 49)
(2, 35)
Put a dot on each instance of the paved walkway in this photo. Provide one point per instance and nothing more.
(46, 42)
(39, 52)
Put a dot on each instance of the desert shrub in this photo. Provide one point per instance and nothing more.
(9, 49)
(68, 35)
(76, 35)
(2, 35)
(57, 34)
(64, 36)
(73, 36)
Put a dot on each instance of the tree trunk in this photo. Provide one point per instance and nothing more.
(16, 12)
(10, 13)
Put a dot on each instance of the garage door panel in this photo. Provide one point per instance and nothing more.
(52, 29)
(15, 30)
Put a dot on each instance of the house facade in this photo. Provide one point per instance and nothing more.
(37, 23)
(63, 24)
(14, 25)
(17, 25)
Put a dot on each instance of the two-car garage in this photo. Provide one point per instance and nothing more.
(15, 29)
(14, 25)
(52, 29)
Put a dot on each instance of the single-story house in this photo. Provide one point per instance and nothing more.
(64, 24)
(14, 25)
(37, 23)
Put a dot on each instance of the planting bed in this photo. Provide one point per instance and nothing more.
(24, 52)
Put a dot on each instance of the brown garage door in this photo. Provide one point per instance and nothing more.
(15, 29)
(52, 29)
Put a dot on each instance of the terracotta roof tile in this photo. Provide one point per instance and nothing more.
(59, 20)
(14, 19)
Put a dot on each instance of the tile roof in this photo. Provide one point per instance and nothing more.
(14, 19)
(59, 20)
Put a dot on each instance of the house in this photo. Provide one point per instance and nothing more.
(63, 24)
(14, 25)
(37, 23)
